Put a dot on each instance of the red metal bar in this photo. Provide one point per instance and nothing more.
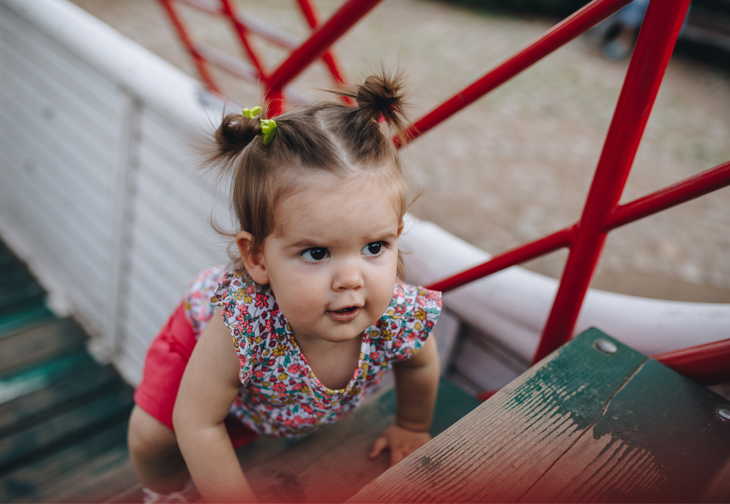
(557, 36)
(708, 364)
(643, 78)
(199, 61)
(325, 35)
(328, 57)
(251, 24)
(521, 254)
(688, 189)
(228, 63)
(242, 33)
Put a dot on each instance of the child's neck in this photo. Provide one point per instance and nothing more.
(332, 363)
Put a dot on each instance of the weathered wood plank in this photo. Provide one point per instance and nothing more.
(25, 296)
(35, 482)
(580, 426)
(14, 321)
(49, 387)
(64, 426)
(332, 465)
(53, 339)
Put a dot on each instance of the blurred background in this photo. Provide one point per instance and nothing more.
(518, 163)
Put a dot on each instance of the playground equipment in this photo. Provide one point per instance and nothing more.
(99, 198)
(601, 213)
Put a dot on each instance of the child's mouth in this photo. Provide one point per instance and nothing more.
(345, 314)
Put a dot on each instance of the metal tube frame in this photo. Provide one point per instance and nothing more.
(601, 212)
(275, 83)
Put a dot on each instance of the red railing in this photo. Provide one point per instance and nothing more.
(601, 214)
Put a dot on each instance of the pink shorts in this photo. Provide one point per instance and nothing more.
(163, 369)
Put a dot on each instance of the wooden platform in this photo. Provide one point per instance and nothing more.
(593, 422)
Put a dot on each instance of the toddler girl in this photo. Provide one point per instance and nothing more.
(292, 335)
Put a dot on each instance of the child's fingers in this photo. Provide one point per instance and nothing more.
(396, 456)
(380, 444)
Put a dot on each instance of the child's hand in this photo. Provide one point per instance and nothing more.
(401, 442)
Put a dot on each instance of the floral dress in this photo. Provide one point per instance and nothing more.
(280, 395)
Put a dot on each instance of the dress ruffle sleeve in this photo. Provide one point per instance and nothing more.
(232, 295)
(409, 320)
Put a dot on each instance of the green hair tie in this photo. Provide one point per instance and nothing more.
(251, 113)
(268, 129)
(268, 126)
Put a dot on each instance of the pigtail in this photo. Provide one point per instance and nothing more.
(380, 98)
(230, 139)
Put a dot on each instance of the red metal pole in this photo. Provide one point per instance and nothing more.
(558, 35)
(643, 78)
(690, 188)
(199, 61)
(325, 35)
(242, 33)
(531, 250)
(708, 364)
(328, 57)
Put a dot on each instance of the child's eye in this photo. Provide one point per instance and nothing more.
(373, 249)
(315, 254)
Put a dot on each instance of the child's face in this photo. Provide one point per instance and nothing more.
(332, 260)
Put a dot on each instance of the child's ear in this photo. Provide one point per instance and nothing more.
(253, 260)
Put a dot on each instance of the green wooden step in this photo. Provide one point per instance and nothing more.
(50, 340)
(46, 388)
(595, 421)
(22, 319)
(37, 482)
(64, 427)
(16, 275)
(20, 297)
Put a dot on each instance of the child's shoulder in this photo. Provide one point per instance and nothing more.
(407, 322)
(211, 287)
(408, 299)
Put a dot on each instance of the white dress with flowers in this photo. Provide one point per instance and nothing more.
(280, 395)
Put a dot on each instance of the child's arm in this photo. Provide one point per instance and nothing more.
(416, 384)
(207, 390)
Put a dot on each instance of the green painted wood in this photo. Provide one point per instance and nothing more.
(580, 426)
(15, 321)
(35, 482)
(17, 275)
(50, 340)
(20, 296)
(50, 387)
(64, 427)
(331, 465)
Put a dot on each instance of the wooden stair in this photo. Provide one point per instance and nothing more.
(63, 416)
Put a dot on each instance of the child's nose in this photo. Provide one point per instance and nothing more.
(348, 275)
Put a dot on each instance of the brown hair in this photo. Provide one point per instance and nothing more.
(325, 137)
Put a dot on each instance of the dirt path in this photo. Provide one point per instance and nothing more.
(517, 164)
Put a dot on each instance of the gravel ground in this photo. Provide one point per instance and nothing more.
(518, 163)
